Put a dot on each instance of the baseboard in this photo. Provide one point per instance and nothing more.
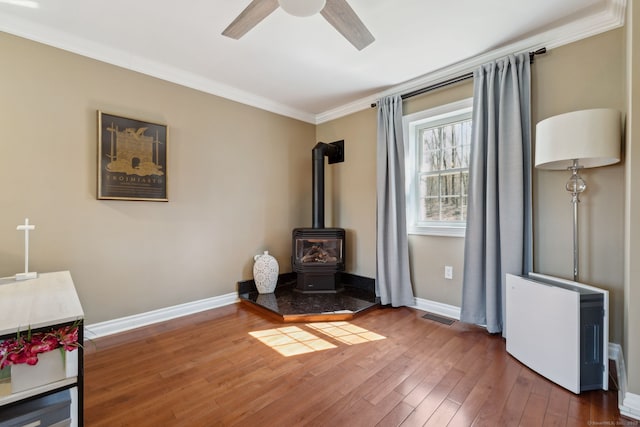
(435, 307)
(109, 327)
(631, 406)
(628, 403)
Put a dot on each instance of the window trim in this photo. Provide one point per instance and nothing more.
(410, 122)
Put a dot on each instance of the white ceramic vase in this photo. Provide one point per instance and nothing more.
(265, 272)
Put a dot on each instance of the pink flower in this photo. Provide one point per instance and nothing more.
(43, 345)
(69, 339)
(25, 348)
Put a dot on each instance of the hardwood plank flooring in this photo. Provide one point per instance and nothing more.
(207, 370)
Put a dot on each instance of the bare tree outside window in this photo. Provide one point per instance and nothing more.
(437, 149)
(443, 171)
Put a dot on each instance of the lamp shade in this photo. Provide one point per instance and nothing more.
(302, 7)
(590, 136)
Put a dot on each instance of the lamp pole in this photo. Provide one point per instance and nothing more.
(575, 185)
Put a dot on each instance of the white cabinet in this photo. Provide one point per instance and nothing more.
(559, 329)
(46, 302)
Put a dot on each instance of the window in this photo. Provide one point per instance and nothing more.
(438, 143)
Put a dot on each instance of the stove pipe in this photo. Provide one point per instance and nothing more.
(335, 154)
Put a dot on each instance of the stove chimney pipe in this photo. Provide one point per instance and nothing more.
(335, 154)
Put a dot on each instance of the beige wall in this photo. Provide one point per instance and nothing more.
(567, 78)
(632, 261)
(351, 187)
(237, 184)
(354, 202)
(574, 78)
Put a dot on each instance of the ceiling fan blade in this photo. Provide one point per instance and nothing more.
(339, 14)
(250, 17)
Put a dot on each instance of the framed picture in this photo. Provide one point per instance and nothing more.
(132, 159)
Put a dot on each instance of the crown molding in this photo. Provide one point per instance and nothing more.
(100, 52)
(612, 17)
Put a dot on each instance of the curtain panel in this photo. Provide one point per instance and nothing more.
(499, 232)
(393, 281)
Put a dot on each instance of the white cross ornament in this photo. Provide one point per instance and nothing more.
(26, 227)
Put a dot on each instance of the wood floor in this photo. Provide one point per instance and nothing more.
(390, 367)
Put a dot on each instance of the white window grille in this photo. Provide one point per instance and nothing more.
(438, 143)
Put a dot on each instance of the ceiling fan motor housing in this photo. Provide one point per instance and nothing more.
(302, 7)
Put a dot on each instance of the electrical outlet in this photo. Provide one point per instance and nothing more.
(448, 272)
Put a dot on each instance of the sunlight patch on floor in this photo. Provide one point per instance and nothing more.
(345, 332)
(291, 340)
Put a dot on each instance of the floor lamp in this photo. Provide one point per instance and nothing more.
(577, 140)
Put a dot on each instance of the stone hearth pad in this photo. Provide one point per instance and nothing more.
(288, 305)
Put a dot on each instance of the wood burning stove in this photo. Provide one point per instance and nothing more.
(318, 253)
(318, 258)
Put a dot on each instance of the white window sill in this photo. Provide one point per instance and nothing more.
(438, 231)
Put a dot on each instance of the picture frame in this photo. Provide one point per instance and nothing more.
(132, 159)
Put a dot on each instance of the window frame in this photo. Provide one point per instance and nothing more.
(442, 114)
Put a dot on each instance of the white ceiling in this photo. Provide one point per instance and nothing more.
(302, 67)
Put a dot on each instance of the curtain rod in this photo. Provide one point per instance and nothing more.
(455, 80)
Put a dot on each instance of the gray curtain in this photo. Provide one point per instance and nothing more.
(498, 237)
(393, 281)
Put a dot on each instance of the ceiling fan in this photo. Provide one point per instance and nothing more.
(337, 12)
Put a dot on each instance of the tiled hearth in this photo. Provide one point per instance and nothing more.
(289, 305)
